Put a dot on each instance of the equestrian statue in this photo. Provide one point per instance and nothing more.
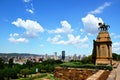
(103, 27)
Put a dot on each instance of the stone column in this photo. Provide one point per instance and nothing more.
(97, 50)
(110, 47)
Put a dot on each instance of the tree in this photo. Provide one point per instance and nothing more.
(115, 56)
(10, 73)
(25, 72)
(1, 75)
(87, 60)
(29, 63)
(1, 63)
(11, 62)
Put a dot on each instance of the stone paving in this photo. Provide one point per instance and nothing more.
(115, 74)
(112, 75)
(96, 75)
(118, 73)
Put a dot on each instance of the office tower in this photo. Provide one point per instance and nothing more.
(63, 55)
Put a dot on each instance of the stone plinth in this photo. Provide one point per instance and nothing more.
(103, 48)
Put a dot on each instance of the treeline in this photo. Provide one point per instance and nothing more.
(14, 71)
(116, 56)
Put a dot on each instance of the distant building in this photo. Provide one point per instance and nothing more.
(55, 56)
(75, 57)
(63, 55)
(46, 57)
(79, 57)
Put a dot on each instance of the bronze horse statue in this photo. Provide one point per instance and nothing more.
(103, 27)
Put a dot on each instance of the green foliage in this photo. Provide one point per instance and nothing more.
(1, 63)
(87, 60)
(1, 75)
(10, 62)
(10, 72)
(25, 72)
(115, 56)
(88, 66)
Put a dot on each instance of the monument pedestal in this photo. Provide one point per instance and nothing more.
(103, 48)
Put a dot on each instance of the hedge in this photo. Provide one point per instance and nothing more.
(88, 66)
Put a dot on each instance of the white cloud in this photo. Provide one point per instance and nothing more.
(30, 11)
(71, 40)
(100, 9)
(116, 47)
(55, 39)
(90, 23)
(32, 27)
(16, 39)
(14, 35)
(26, 0)
(82, 30)
(66, 28)
(112, 34)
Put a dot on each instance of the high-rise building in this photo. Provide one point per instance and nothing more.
(63, 55)
(74, 57)
(55, 56)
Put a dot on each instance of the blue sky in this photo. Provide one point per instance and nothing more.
(48, 26)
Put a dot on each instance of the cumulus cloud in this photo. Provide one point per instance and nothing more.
(55, 39)
(32, 27)
(90, 23)
(66, 28)
(15, 38)
(116, 47)
(100, 9)
(14, 35)
(71, 40)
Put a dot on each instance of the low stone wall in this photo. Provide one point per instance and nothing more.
(73, 73)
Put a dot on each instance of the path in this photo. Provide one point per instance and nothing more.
(115, 74)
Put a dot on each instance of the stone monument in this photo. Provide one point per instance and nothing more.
(102, 46)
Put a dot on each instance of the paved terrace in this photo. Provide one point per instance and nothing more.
(114, 75)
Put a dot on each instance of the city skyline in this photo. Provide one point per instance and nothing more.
(43, 26)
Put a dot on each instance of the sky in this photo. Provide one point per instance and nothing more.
(48, 26)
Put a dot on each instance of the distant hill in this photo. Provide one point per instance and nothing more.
(18, 54)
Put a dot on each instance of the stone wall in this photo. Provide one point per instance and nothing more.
(73, 73)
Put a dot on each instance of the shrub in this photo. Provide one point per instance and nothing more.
(89, 66)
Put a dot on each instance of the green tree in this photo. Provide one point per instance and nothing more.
(10, 73)
(10, 62)
(115, 56)
(1, 75)
(1, 63)
(87, 60)
(25, 72)
(29, 63)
